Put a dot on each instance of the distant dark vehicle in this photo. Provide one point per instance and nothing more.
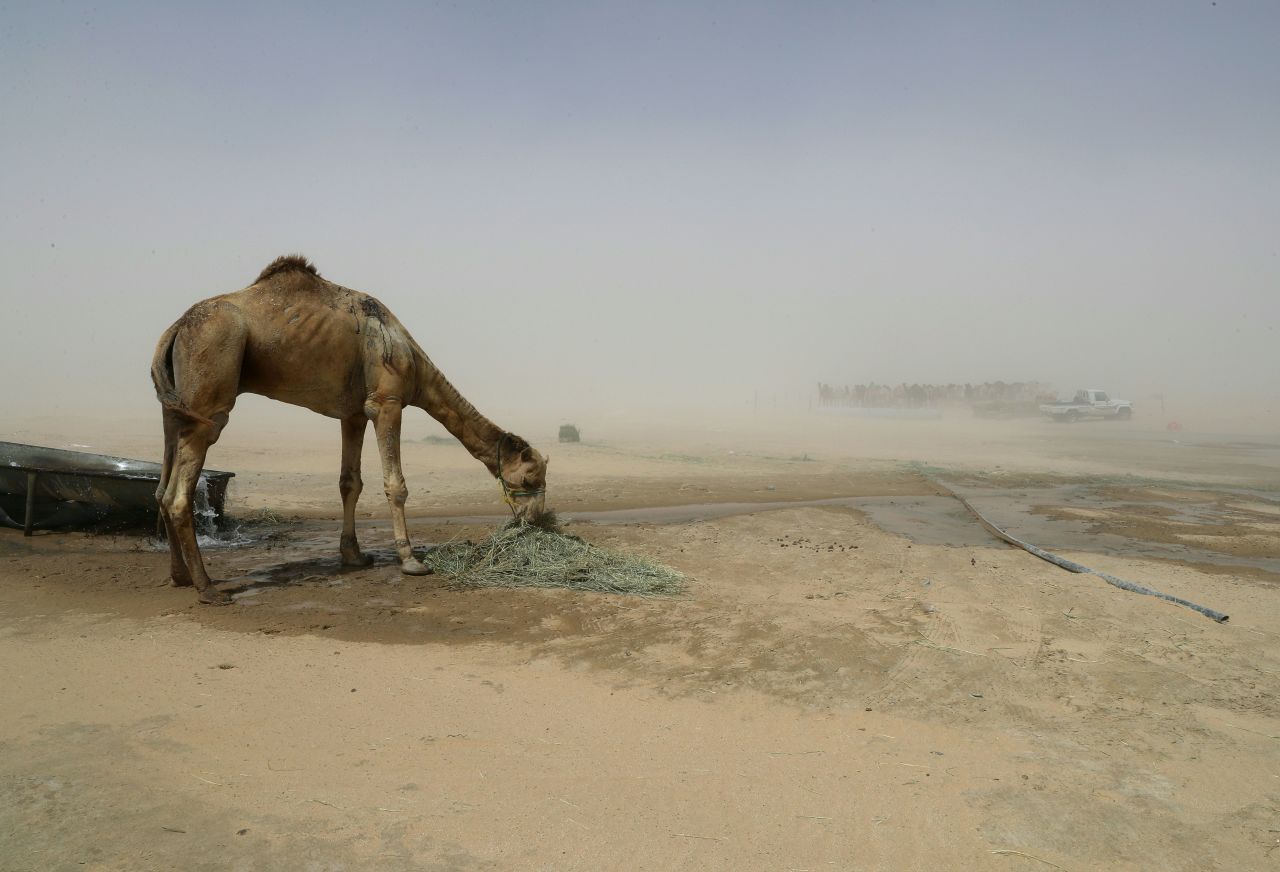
(569, 433)
(1089, 404)
(50, 487)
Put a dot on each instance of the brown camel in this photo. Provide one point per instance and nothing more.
(297, 338)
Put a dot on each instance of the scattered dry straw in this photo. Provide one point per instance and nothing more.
(523, 555)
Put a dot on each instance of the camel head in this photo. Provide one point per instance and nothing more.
(522, 472)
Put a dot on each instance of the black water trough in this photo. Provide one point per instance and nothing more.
(51, 487)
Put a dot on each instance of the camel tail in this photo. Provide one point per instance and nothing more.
(163, 379)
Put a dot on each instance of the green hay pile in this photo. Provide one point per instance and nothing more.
(522, 555)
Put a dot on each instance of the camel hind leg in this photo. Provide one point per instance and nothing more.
(179, 499)
(179, 575)
(206, 357)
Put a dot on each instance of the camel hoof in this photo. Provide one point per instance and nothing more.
(211, 596)
(358, 560)
(178, 582)
(414, 566)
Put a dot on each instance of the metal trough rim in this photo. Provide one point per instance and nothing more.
(71, 469)
(75, 466)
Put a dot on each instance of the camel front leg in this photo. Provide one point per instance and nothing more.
(386, 425)
(349, 485)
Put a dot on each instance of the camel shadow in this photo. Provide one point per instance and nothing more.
(327, 571)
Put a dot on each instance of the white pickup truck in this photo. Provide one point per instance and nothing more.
(1089, 404)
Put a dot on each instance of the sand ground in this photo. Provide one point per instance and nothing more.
(876, 685)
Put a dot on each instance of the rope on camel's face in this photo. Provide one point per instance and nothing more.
(510, 494)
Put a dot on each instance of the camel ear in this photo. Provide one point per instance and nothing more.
(526, 455)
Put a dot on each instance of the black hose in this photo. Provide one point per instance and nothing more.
(1071, 565)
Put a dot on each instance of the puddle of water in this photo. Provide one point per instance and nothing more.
(928, 520)
(1011, 510)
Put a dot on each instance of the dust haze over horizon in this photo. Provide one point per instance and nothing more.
(591, 208)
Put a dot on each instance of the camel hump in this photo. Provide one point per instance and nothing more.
(287, 263)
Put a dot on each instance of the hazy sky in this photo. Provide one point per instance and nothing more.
(621, 205)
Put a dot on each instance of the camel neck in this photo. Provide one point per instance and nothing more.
(442, 401)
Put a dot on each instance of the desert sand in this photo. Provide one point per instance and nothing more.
(869, 684)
